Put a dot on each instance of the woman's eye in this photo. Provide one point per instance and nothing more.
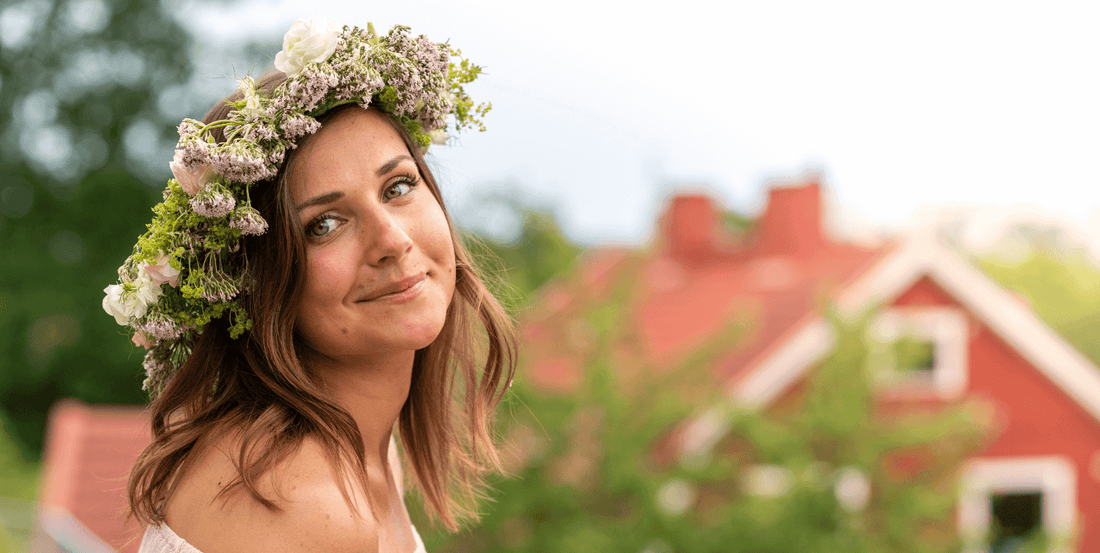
(398, 189)
(321, 226)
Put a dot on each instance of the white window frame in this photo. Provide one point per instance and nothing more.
(948, 331)
(1053, 476)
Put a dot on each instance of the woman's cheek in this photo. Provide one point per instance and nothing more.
(328, 270)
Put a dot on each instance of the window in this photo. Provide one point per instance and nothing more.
(1017, 518)
(914, 355)
(920, 351)
(1007, 502)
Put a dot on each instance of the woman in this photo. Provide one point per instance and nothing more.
(287, 339)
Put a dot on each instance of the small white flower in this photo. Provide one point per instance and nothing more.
(307, 41)
(194, 181)
(439, 137)
(247, 88)
(852, 489)
(161, 272)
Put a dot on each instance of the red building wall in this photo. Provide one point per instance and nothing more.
(1035, 416)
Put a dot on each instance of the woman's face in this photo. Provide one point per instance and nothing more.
(380, 264)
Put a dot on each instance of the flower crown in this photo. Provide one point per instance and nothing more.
(187, 270)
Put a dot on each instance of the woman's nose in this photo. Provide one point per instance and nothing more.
(387, 239)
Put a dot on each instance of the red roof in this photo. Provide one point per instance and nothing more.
(89, 452)
(700, 276)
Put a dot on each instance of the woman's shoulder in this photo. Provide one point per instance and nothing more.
(311, 514)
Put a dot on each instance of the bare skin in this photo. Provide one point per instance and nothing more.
(380, 277)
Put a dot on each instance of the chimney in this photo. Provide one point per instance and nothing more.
(690, 228)
(791, 224)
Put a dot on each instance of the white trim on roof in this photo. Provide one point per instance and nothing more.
(922, 255)
(779, 371)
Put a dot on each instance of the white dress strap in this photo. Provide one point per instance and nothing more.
(159, 538)
(419, 542)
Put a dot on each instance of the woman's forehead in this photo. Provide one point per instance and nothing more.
(354, 145)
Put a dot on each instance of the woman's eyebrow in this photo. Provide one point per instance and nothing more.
(389, 165)
(322, 199)
(325, 198)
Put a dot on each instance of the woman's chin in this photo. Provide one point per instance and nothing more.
(422, 337)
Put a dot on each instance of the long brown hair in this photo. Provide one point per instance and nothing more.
(257, 387)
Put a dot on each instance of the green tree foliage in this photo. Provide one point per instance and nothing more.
(1063, 288)
(89, 88)
(596, 469)
(521, 266)
(18, 478)
(18, 486)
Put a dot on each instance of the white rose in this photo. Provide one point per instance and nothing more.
(439, 136)
(192, 182)
(161, 272)
(114, 306)
(306, 42)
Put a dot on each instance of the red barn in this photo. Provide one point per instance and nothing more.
(1041, 471)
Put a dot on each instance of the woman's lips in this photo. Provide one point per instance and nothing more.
(399, 290)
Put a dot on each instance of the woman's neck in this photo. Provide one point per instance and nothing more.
(373, 392)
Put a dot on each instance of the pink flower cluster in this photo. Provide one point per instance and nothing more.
(161, 329)
(220, 288)
(213, 203)
(156, 372)
(242, 161)
(300, 125)
(308, 88)
(249, 221)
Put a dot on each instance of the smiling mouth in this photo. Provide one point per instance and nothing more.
(400, 290)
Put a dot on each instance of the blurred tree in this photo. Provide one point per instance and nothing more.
(17, 477)
(1063, 288)
(518, 243)
(517, 269)
(600, 468)
(94, 89)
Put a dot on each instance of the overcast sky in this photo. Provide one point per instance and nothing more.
(603, 108)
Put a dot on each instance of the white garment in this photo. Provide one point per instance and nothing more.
(160, 538)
